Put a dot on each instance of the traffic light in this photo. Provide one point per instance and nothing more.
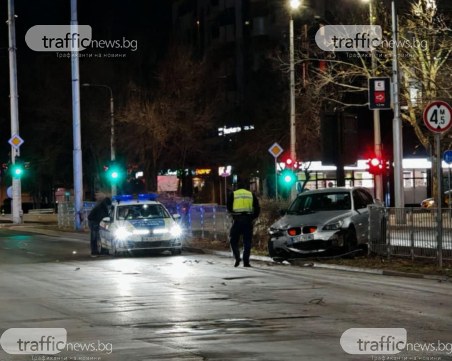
(376, 166)
(288, 177)
(17, 169)
(289, 162)
(115, 173)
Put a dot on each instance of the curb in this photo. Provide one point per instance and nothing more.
(75, 237)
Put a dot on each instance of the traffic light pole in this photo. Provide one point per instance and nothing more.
(112, 137)
(376, 116)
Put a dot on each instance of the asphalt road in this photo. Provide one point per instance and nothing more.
(199, 307)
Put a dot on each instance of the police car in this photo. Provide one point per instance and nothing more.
(140, 223)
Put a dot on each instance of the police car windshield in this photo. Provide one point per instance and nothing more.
(141, 211)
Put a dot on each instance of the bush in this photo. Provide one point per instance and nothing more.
(270, 212)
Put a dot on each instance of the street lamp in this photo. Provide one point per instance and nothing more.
(294, 5)
(112, 126)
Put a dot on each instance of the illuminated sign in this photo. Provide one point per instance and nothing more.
(224, 171)
(231, 130)
(203, 171)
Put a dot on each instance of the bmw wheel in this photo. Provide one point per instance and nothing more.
(278, 255)
(350, 241)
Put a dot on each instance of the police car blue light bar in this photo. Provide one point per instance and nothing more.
(147, 196)
(123, 197)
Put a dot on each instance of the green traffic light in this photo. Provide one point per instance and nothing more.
(115, 173)
(288, 177)
(17, 170)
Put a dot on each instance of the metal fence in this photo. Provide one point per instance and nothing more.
(66, 215)
(410, 232)
(207, 220)
(198, 220)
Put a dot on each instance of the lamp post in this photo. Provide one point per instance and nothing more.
(112, 126)
(294, 5)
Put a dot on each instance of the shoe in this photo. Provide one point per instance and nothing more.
(94, 255)
(246, 265)
(237, 262)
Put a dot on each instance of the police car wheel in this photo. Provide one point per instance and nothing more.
(112, 250)
(100, 249)
(176, 251)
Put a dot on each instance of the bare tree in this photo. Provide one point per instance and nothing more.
(424, 47)
(147, 133)
(425, 60)
(165, 128)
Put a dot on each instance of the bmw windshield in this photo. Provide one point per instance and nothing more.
(310, 203)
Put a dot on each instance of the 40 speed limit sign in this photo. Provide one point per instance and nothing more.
(438, 116)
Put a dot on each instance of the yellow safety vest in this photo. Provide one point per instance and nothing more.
(243, 201)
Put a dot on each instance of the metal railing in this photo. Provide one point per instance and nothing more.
(198, 220)
(410, 232)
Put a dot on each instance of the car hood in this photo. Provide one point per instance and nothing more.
(311, 219)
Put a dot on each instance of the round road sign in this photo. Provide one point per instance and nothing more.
(438, 116)
(447, 156)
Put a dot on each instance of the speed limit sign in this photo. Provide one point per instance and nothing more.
(438, 116)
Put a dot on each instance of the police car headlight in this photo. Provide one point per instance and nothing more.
(140, 232)
(176, 231)
(122, 233)
(160, 231)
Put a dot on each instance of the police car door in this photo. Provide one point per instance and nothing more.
(104, 227)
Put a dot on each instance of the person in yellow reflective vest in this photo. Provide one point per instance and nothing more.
(244, 208)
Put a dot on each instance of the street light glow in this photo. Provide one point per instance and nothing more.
(295, 4)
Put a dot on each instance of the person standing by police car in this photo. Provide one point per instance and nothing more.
(100, 210)
(244, 208)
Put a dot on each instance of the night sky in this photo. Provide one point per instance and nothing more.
(44, 79)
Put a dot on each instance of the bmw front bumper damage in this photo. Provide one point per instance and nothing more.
(283, 245)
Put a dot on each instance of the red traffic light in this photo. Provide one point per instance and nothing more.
(289, 163)
(376, 166)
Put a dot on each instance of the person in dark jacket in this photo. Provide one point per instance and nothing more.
(100, 211)
(244, 208)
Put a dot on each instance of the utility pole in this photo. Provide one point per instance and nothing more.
(77, 151)
(16, 204)
(294, 5)
(396, 124)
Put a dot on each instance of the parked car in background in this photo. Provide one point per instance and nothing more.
(322, 220)
(431, 203)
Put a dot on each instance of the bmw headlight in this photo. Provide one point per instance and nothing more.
(122, 233)
(333, 226)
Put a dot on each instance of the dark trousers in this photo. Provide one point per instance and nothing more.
(242, 228)
(94, 234)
